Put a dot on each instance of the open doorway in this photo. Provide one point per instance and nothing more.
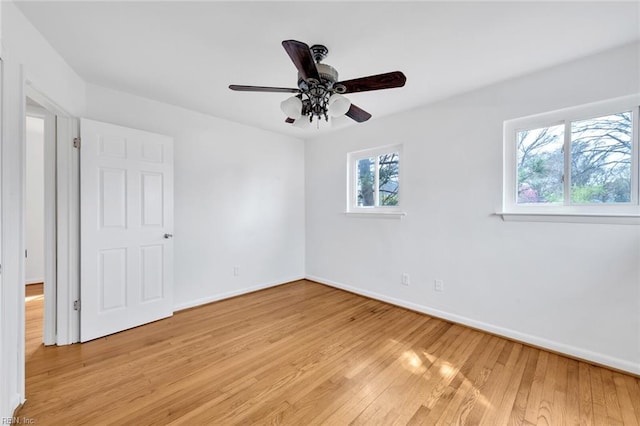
(40, 225)
(34, 225)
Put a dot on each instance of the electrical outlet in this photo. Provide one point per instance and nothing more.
(405, 279)
(438, 285)
(236, 271)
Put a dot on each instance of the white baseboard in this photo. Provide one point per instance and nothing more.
(573, 351)
(33, 281)
(229, 294)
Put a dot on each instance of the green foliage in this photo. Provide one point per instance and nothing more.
(540, 178)
(587, 194)
(611, 192)
(388, 199)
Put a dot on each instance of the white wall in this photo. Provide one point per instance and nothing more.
(574, 288)
(239, 197)
(34, 200)
(4, 339)
(44, 68)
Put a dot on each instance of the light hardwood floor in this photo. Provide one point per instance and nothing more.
(303, 353)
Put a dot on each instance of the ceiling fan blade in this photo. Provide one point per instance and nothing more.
(289, 120)
(301, 56)
(374, 82)
(241, 88)
(357, 114)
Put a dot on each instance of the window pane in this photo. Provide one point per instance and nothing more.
(366, 177)
(541, 165)
(388, 179)
(601, 159)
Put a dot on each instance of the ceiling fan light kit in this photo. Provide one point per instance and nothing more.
(338, 105)
(319, 93)
(292, 107)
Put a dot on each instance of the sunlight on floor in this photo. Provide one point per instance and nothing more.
(448, 371)
(412, 362)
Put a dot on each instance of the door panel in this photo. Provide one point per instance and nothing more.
(152, 190)
(113, 198)
(126, 210)
(112, 273)
(152, 260)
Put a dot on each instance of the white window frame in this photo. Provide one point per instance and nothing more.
(567, 211)
(352, 183)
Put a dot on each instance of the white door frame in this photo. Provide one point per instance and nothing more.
(12, 332)
(68, 209)
(4, 394)
(61, 322)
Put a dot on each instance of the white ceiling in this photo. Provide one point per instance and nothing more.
(187, 53)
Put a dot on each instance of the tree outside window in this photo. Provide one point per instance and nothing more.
(599, 162)
(375, 178)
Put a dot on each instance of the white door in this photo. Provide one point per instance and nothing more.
(126, 222)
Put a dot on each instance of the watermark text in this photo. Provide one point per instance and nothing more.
(17, 421)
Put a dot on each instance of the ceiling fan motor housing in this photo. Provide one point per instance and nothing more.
(327, 72)
(328, 76)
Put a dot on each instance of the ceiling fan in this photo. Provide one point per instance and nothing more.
(319, 93)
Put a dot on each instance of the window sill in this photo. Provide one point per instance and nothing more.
(619, 219)
(377, 214)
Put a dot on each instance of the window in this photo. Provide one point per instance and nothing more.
(582, 160)
(374, 180)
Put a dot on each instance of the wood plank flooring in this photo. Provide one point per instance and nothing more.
(303, 353)
(34, 300)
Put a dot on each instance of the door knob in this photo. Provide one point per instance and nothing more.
(167, 236)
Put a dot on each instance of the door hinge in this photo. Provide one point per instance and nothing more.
(25, 254)
(76, 305)
(76, 142)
